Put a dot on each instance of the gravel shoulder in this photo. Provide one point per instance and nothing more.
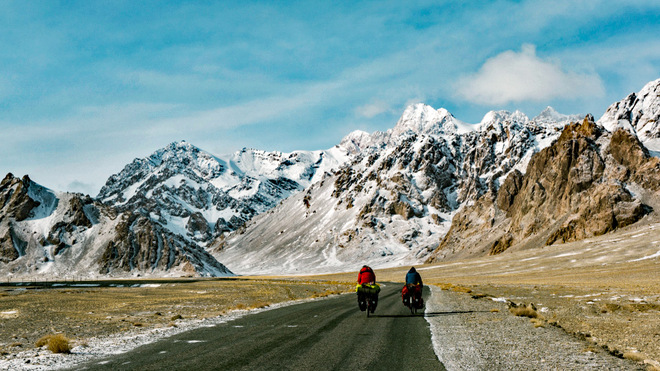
(481, 334)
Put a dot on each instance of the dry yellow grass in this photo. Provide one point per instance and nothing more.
(56, 343)
(86, 312)
(524, 311)
(537, 322)
(634, 356)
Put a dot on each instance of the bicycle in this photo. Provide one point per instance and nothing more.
(368, 297)
(412, 297)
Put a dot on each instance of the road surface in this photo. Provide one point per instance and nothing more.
(319, 335)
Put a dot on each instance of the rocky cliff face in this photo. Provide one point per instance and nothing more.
(55, 235)
(638, 113)
(200, 196)
(430, 188)
(395, 201)
(580, 186)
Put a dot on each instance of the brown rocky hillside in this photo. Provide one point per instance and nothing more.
(587, 183)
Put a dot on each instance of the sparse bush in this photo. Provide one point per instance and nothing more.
(494, 310)
(537, 322)
(260, 304)
(524, 311)
(57, 343)
(176, 317)
(634, 356)
(42, 341)
(137, 324)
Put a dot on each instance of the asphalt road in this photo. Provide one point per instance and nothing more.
(331, 334)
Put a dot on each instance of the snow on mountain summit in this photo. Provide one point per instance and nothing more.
(550, 116)
(356, 141)
(393, 203)
(423, 119)
(638, 113)
(200, 196)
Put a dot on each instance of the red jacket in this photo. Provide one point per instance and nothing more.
(366, 275)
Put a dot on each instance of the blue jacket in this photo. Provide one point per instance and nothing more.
(413, 277)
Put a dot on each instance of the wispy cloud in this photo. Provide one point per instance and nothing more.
(373, 109)
(87, 88)
(523, 76)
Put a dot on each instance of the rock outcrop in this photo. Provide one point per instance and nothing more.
(395, 201)
(577, 188)
(55, 235)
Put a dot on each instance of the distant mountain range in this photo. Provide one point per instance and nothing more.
(431, 188)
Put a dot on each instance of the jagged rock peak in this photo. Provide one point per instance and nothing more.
(184, 153)
(356, 141)
(178, 157)
(495, 118)
(423, 119)
(550, 116)
(638, 113)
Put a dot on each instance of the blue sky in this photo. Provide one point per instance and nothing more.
(87, 86)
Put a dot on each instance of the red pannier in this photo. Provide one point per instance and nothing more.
(414, 291)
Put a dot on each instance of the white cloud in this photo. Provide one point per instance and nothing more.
(372, 109)
(518, 77)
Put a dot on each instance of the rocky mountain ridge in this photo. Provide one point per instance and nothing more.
(430, 188)
(589, 182)
(57, 235)
(397, 202)
(154, 218)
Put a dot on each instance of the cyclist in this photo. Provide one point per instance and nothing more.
(367, 288)
(413, 286)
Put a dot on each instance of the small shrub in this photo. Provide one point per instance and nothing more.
(494, 310)
(176, 317)
(42, 341)
(16, 344)
(260, 304)
(57, 343)
(634, 356)
(524, 311)
(137, 324)
(537, 322)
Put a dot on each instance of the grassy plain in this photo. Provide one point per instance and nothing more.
(81, 311)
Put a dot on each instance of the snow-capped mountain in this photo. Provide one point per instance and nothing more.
(199, 196)
(154, 218)
(587, 183)
(57, 235)
(549, 116)
(395, 201)
(638, 113)
(431, 187)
